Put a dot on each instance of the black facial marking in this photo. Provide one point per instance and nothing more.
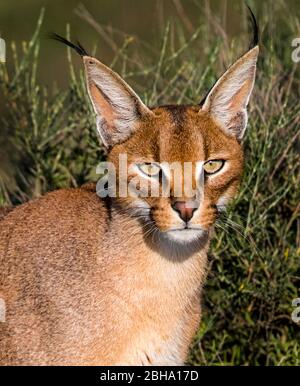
(177, 113)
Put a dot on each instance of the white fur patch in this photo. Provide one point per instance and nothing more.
(184, 236)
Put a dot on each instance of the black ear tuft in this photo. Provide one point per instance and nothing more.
(255, 29)
(78, 48)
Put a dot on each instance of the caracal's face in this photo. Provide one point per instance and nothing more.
(184, 163)
(201, 143)
(185, 168)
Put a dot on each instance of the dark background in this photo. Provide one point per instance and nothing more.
(144, 19)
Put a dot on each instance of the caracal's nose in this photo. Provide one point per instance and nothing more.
(185, 209)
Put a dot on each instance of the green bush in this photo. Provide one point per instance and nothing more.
(254, 272)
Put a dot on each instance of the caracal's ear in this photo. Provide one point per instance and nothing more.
(118, 108)
(227, 101)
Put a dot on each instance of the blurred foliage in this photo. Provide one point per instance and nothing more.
(49, 141)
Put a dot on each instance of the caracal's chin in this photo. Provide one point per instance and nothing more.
(185, 236)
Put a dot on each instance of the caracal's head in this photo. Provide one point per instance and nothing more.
(184, 162)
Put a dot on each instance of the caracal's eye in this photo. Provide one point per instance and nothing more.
(151, 169)
(213, 166)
